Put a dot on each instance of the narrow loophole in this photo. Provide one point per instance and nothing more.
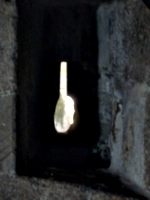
(64, 111)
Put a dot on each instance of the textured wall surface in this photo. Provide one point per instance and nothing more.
(14, 188)
(124, 63)
(124, 92)
(7, 85)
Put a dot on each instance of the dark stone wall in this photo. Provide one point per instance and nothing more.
(123, 98)
(48, 35)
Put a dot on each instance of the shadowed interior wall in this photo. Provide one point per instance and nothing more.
(48, 35)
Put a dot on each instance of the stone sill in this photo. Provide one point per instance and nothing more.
(13, 187)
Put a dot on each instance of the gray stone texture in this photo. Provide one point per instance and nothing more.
(7, 137)
(124, 64)
(124, 93)
(15, 188)
(8, 18)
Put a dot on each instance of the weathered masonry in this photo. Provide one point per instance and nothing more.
(106, 47)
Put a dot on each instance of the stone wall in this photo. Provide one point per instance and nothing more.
(124, 92)
(8, 16)
(124, 64)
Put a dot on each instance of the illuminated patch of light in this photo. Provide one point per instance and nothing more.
(64, 111)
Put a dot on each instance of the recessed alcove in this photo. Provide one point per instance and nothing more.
(48, 33)
(123, 50)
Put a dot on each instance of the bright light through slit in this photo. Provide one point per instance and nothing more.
(64, 111)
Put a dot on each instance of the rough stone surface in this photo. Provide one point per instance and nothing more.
(7, 137)
(124, 93)
(124, 87)
(8, 16)
(15, 188)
